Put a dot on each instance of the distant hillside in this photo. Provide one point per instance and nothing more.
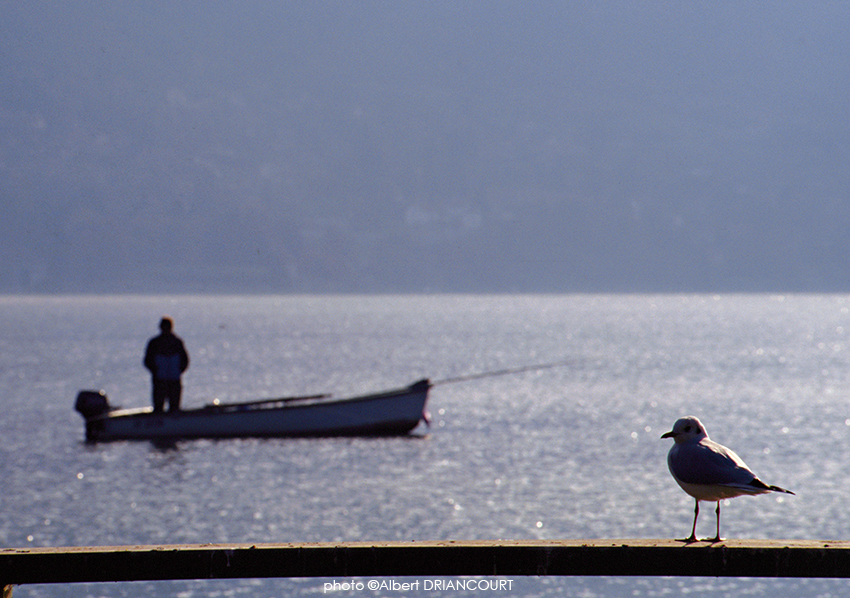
(437, 147)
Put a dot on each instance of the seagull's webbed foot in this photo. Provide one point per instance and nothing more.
(694, 539)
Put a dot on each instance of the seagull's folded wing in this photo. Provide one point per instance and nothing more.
(708, 463)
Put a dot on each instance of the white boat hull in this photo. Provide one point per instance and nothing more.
(392, 412)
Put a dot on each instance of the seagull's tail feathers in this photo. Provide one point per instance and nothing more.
(757, 483)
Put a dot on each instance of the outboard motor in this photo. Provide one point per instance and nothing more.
(91, 403)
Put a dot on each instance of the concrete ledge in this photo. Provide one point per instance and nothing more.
(733, 558)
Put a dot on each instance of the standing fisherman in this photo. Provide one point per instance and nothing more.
(166, 358)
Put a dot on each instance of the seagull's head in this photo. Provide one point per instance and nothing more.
(687, 429)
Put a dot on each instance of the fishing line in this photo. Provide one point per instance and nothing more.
(505, 372)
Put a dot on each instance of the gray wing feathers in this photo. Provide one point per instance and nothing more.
(711, 464)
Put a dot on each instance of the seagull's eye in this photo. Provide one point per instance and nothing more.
(687, 428)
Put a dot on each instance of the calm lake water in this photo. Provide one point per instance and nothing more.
(565, 452)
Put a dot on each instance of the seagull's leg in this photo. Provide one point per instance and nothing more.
(717, 537)
(693, 536)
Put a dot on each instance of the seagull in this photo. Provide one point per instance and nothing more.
(709, 471)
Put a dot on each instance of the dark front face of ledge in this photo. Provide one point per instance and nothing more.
(745, 558)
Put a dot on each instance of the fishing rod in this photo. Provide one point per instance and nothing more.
(505, 372)
(216, 404)
(491, 374)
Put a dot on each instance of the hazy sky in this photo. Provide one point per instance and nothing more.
(223, 146)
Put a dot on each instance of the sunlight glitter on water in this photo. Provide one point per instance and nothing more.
(567, 452)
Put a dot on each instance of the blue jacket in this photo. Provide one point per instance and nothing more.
(166, 357)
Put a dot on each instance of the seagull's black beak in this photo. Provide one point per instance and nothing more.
(670, 434)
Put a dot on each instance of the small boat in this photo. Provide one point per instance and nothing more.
(392, 412)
